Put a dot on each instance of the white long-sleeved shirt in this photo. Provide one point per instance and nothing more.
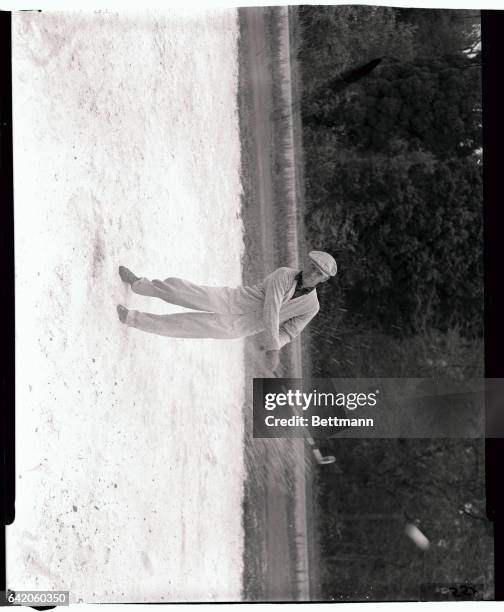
(283, 318)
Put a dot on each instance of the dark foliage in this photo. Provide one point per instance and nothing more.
(393, 172)
(393, 165)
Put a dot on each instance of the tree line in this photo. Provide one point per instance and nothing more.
(392, 117)
(393, 162)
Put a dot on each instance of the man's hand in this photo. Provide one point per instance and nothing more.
(272, 359)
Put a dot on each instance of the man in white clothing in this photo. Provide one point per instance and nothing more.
(280, 306)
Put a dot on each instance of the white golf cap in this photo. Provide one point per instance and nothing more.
(324, 261)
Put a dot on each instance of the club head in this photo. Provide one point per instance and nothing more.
(327, 460)
(321, 460)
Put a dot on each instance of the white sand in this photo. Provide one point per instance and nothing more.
(129, 445)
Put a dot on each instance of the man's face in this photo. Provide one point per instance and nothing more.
(312, 275)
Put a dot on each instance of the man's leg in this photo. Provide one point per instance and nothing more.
(182, 325)
(185, 293)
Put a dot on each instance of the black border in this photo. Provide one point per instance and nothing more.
(7, 285)
(492, 25)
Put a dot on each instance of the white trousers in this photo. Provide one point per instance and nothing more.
(212, 321)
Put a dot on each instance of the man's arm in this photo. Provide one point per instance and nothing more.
(276, 287)
(291, 328)
(287, 332)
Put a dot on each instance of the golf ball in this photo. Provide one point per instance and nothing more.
(417, 536)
